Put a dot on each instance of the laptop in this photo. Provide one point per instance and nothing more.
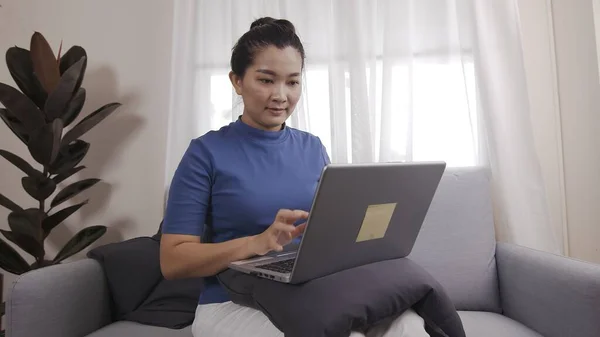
(361, 213)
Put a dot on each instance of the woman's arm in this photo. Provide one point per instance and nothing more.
(183, 256)
(181, 252)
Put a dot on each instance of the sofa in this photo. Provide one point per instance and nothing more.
(500, 289)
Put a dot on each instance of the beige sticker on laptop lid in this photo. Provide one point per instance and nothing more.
(376, 221)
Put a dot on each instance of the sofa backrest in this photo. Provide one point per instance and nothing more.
(457, 241)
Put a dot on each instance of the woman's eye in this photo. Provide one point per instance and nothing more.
(265, 80)
(294, 83)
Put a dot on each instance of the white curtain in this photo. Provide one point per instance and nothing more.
(385, 80)
(521, 201)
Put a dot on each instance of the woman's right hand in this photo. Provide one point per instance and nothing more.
(280, 233)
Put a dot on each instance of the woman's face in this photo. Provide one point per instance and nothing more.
(270, 87)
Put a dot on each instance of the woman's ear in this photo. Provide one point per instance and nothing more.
(236, 81)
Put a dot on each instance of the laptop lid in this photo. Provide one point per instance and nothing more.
(364, 213)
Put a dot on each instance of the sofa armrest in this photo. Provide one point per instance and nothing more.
(554, 295)
(66, 300)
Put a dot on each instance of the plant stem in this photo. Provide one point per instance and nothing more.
(42, 202)
(42, 207)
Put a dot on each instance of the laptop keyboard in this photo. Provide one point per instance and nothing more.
(284, 266)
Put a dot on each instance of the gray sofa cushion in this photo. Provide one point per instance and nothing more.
(131, 329)
(476, 324)
(493, 325)
(457, 242)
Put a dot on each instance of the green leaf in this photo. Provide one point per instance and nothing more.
(72, 55)
(72, 190)
(9, 204)
(27, 222)
(21, 107)
(89, 122)
(57, 129)
(20, 163)
(44, 62)
(39, 188)
(59, 178)
(80, 241)
(69, 156)
(59, 99)
(74, 108)
(20, 66)
(11, 261)
(14, 125)
(57, 218)
(27, 243)
(44, 143)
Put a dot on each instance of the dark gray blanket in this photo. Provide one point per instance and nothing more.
(351, 300)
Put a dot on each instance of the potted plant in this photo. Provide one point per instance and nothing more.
(42, 116)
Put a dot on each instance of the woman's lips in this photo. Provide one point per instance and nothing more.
(276, 111)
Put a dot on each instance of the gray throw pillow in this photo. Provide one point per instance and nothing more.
(139, 292)
(132, 270)
(351, 300)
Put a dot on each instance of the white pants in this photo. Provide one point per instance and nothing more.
(231, 320)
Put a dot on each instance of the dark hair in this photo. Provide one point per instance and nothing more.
(263, 32)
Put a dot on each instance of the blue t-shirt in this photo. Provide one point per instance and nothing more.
(230, 183)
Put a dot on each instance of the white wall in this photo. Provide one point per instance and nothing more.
(562, 72)
(129, 48)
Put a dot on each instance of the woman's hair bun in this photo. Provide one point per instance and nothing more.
(261, 22)
(269, 21)
(264, 32)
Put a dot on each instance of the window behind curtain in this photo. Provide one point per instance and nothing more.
(433, 109)
(384, 80)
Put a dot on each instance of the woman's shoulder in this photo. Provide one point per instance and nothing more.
(305, 136)
(212, 138)
(204, 147)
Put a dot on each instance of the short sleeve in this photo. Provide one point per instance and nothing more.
(189, 193)
(326, 160)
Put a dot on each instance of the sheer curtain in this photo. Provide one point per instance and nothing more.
(385, 80)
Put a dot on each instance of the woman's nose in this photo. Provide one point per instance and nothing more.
(279, 94)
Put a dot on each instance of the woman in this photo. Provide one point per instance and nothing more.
(242, 191)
